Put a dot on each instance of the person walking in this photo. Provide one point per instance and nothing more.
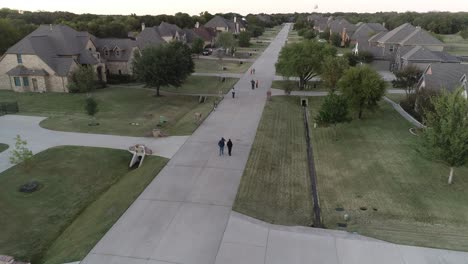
(253, 84)
(229, 145)
(221, 146)
(256, 84)
(253, 71)
(233, 92)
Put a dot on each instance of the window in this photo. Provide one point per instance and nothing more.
(19, 58)
(392, 48)
(117, 53)
(25, 81)
(17, 81)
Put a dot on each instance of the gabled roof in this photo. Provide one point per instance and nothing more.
(407, 34)
(377, 36)
(190, 35)
(338, 25)
(421, 54)
(207, 34)
(55, 45)
(125, 47)
(366, 30)
(439, 76)
(166, 29)
(219, 21)
(148, 37)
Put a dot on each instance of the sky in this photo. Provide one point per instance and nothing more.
(155, 7)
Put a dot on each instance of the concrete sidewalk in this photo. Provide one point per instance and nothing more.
(40, 139)
(182, 215)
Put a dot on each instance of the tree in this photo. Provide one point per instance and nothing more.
(333, 69)
(82, 80)
(303, 59)
(407, 78)
(334, 110)
(225, 40)
(309, 34)
(168, 64)
(335, 39)
(21, 154)
(91, 106)
(244, 39)
(197, 46)
(446, 136)
(255, 30)
(325, 34)
(363, 87)
(464, 33)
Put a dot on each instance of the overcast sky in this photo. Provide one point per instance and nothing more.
(154, 7)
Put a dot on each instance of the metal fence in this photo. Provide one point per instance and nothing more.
(8, 108)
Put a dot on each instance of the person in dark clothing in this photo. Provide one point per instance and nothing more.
(221, 146)
(229, 145)
(233, 92)
(256, 84)
(253, 84)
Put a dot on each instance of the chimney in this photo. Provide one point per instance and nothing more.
(383, 24)
(142, 26)
(235, 19)
(197, 25)
(50, 27)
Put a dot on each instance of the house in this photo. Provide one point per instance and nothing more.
(445, 76)
(207, 34)
(364, 31)
(221, 24)
(164, 33)
(422, 57)
(343, 28)
(117, 54)
(402, 36)
(44, 60)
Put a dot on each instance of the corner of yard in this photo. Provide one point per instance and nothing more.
(67, 216)
(372, 172)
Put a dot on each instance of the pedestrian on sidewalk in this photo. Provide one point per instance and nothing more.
(229, 145)
(221, 146)
(253, 71)
(253, 84)
(233, 92)
(256, 84)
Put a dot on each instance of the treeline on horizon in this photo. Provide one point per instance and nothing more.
(14, 25)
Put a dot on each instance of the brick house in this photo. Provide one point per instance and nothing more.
(221, 24)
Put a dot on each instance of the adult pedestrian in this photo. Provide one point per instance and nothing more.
(253, 84)
(254, 71)
(233, 92)
(221, 146)
(256, 84)
(229, 145)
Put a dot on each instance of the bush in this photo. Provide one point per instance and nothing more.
(82, 80)
(91, 106)
(325, 34)
(301, 32)
(335, 39)
(464, 33)
(333, 110)
(363, 56)
(309, 34)
(256, 31)
(244, 39)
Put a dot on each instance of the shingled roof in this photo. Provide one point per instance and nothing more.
(55, 44)
(440, 76)
(148, 37)
(419, 53)
(407, 35)
(366, 30)
(125, 47)
(207, 34)
(339, 24)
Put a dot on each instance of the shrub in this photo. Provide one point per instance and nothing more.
(82, 80)
(120, 78)
(464, 33)
(333, 110)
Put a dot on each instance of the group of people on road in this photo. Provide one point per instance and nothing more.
(222, 143)
(255, 84)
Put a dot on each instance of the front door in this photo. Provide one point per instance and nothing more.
(34, 82)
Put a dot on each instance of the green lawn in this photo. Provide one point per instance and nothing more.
(118, 107)
(3, 147)
(203, 85)
(66, 217)
(373, 165)
(215, 66)
(456, 45)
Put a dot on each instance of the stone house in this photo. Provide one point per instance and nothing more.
(43, 60)
(343, 28)
(117, 54)
(445, 76)
(164, 33)
(221, 24)
(207, 34)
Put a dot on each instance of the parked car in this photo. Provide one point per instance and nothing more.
(207, 52)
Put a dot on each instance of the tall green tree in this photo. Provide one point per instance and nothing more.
(407, 78)
(334, 110)
(163, 65)
(303, 60)
(244, 39)
(335, 39)
(363, 87)
(226, 40)
(197, 46)
(333, 69)
(82, 80)
(446, 137)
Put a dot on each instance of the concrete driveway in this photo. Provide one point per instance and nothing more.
(40, 139)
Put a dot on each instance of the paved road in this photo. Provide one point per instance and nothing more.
(40, 139)
(182, 215)
(279, 92)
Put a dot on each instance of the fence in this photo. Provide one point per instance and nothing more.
(8, 108)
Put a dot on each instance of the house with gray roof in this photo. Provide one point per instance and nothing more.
(164, 33)
(405, 35)
(43, 60)
(440, 76)
(207, 34)
(364, 31)
(117, 54)
(221, 24)
(421, 56)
